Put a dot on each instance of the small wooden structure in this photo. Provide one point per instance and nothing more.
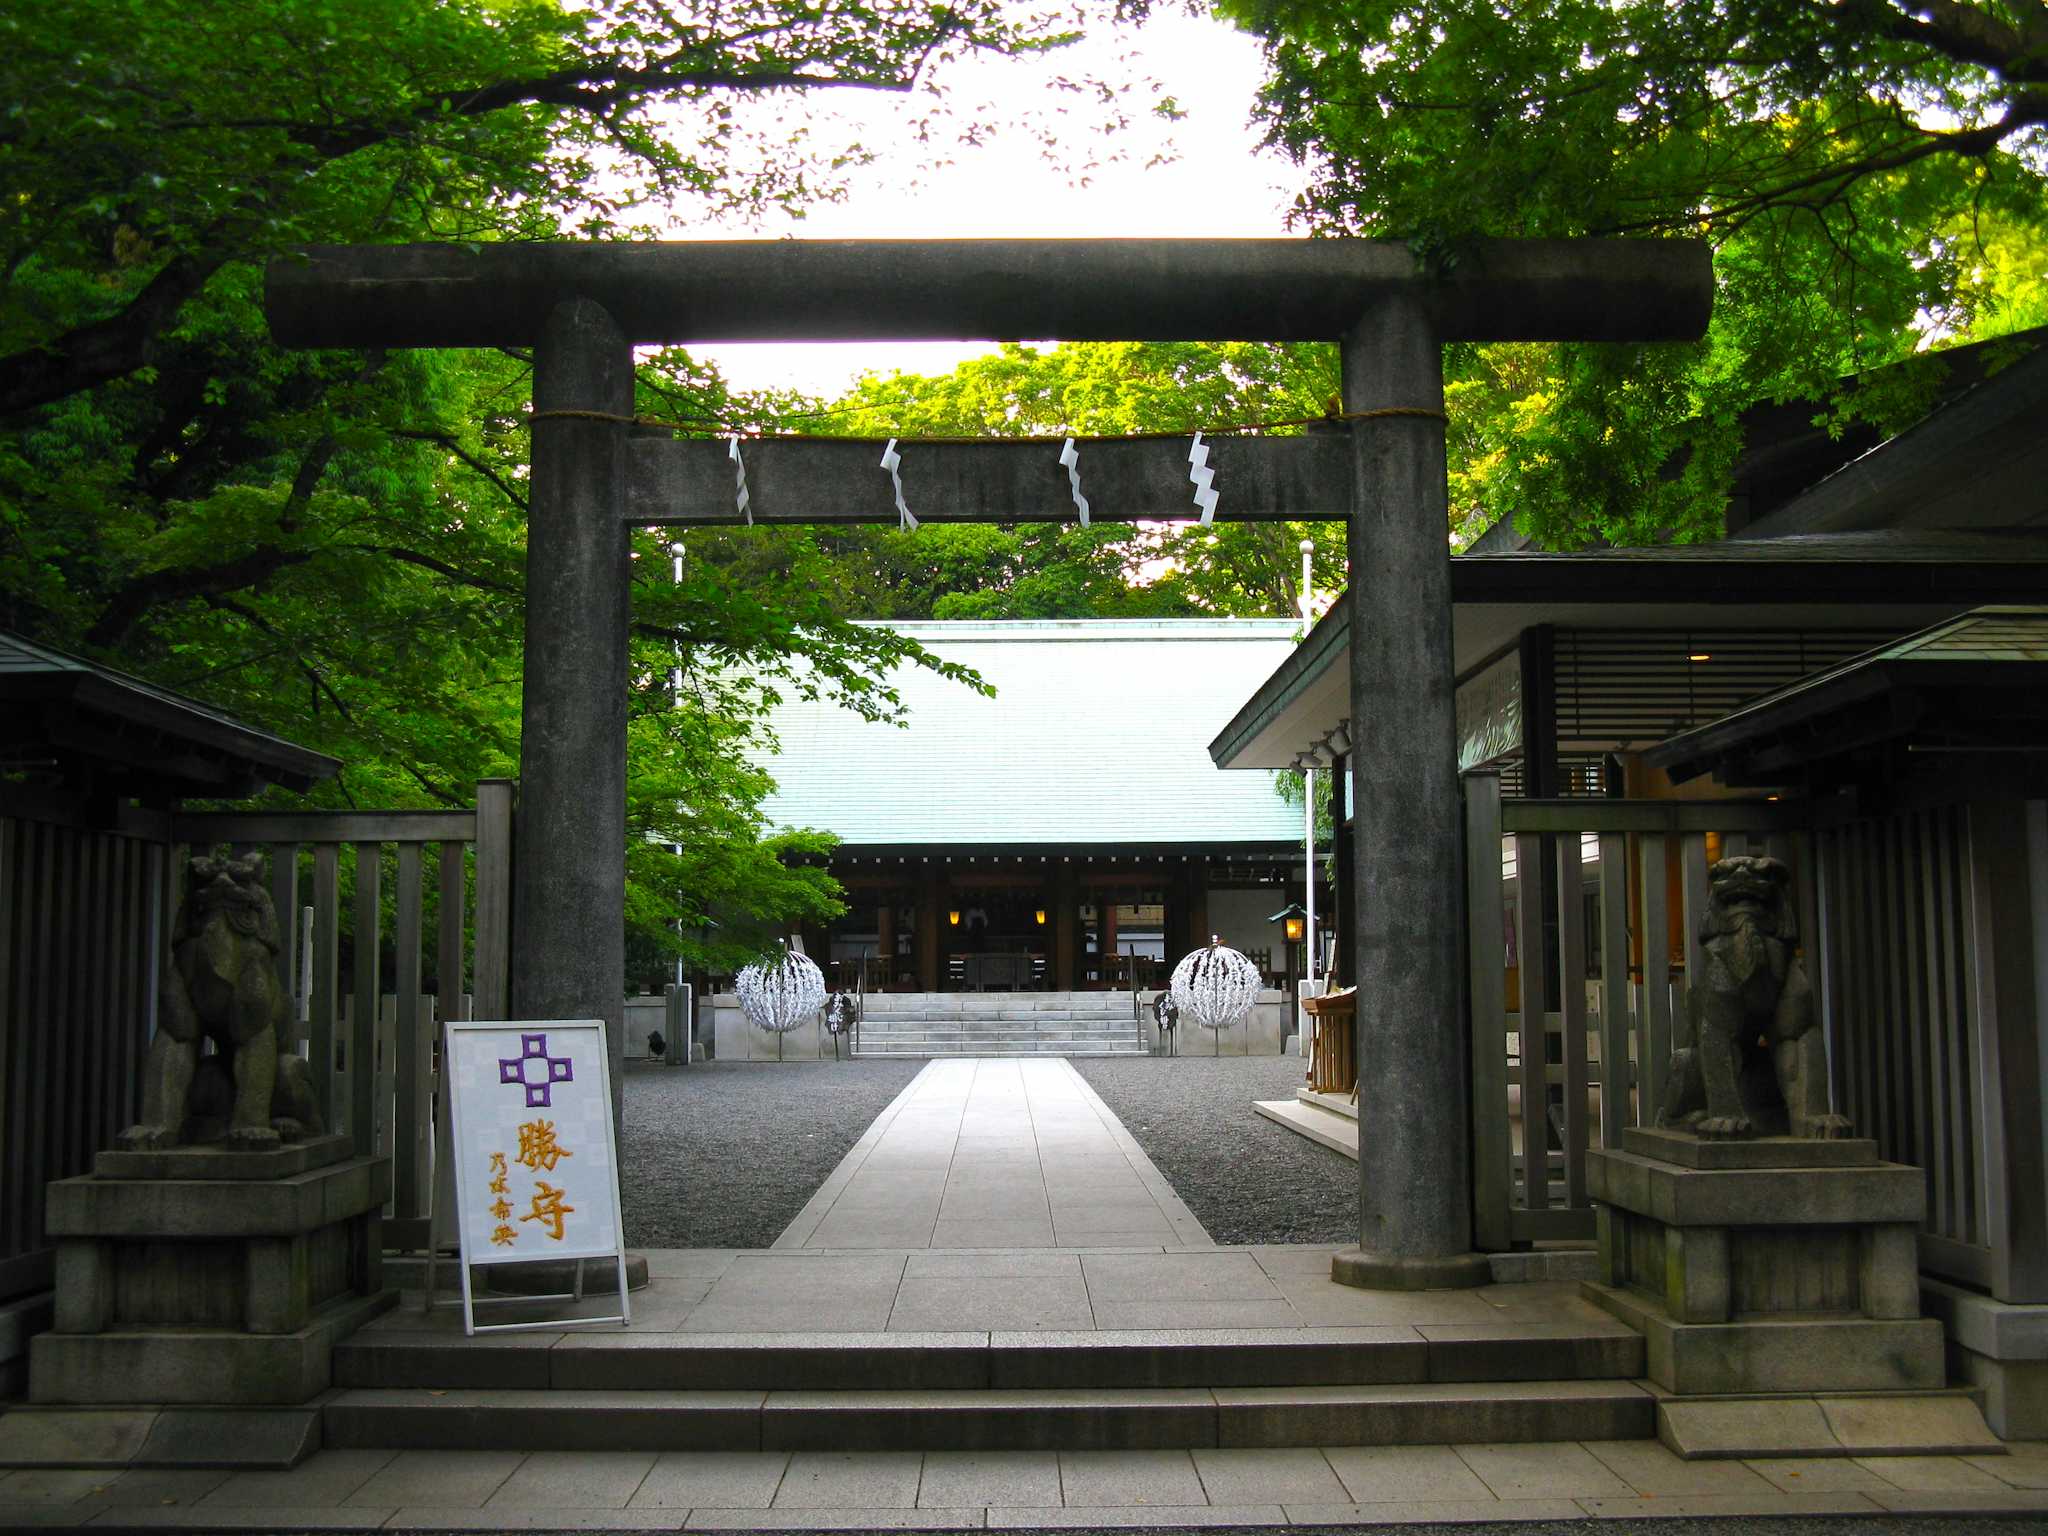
(1333, 1044)
(88, 880)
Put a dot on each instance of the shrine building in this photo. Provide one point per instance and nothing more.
(1069, 833)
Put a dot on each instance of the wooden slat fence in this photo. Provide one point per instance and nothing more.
(1931, 1053)
(374, 1067)
(1598, 1063)
(80, 910)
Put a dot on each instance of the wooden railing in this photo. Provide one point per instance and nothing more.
(374, 1068)
(1542, 1095)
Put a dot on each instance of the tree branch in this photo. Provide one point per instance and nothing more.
(444, 440)
(106, 349)
(131, 601)
(1968, 34)
(438, 567)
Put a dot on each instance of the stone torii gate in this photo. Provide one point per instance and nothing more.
(583, 307)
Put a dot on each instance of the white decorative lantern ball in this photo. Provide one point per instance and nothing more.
(778, 995)
(1215, 986)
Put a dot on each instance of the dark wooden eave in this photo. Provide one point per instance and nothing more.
(1909, 578)
(1977, 683)
(124, 736)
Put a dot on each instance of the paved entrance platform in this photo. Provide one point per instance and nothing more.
(995, 1313)
(1338, 1485)
(996, 1154)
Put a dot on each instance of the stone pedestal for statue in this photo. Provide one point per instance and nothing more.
(209, 1274)
(1773, 1265)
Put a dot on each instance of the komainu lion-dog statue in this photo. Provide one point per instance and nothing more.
(223, 986)
(1756, 1063)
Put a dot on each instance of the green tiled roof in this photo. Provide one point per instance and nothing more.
(1098, 734)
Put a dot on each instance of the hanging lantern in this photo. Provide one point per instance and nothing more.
(1214, 986)
(781, 994)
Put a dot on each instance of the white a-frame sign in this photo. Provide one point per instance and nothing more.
(536, 1155)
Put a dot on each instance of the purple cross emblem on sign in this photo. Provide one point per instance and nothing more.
(533, 1055)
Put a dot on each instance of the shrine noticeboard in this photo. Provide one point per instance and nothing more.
(536, 1161)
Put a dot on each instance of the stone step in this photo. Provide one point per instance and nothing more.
(1335, 1131)
(1162, 1418)
(933, 1037)
(999, 1027)
(1108, 1359)
(937, 1052)
(1005, 1037)
(999, 1016)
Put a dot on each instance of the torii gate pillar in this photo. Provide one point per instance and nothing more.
(569, 862)
(1415, 1206)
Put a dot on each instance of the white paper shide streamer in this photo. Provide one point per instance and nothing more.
(740, 476)
(1204, 479)
(778, 995)
(892, 461)
(1070, 459)
(1215, 986)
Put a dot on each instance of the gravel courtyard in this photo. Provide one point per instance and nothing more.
(724, 1154)
(1246, 1179)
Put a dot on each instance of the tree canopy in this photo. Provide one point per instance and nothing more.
(331, 544)
(1871, 173)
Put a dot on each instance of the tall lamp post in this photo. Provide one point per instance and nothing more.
(1294, 928)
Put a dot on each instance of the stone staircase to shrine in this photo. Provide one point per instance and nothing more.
(929, 1024)
(1161, 1389)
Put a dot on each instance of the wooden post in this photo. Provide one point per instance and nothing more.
(1617, 1070)
(931, 917)
(2005, 1013)
(1487, 1004)
(325, 1014)
(1065, 900)
(494, 810)
(1655, 1062)
(362, 1042)
(1532, 978)
(1571, 1007)
(412, 1154)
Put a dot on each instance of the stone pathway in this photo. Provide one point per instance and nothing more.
(617, 1490)
(996, 1154)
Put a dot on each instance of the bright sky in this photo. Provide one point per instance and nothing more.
(1219, 184)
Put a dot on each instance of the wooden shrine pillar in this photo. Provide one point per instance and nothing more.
(885, 940)
(931, 918)
(1065, 901)
(1344, 880)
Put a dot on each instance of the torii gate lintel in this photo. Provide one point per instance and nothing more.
(583, 307)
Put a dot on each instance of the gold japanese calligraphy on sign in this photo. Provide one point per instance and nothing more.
(538, 1148)
(549, 1208)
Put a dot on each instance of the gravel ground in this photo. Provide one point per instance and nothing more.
(725, 1153)
(1246, 1179)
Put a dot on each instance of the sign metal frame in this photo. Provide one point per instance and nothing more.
(452, 1191)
